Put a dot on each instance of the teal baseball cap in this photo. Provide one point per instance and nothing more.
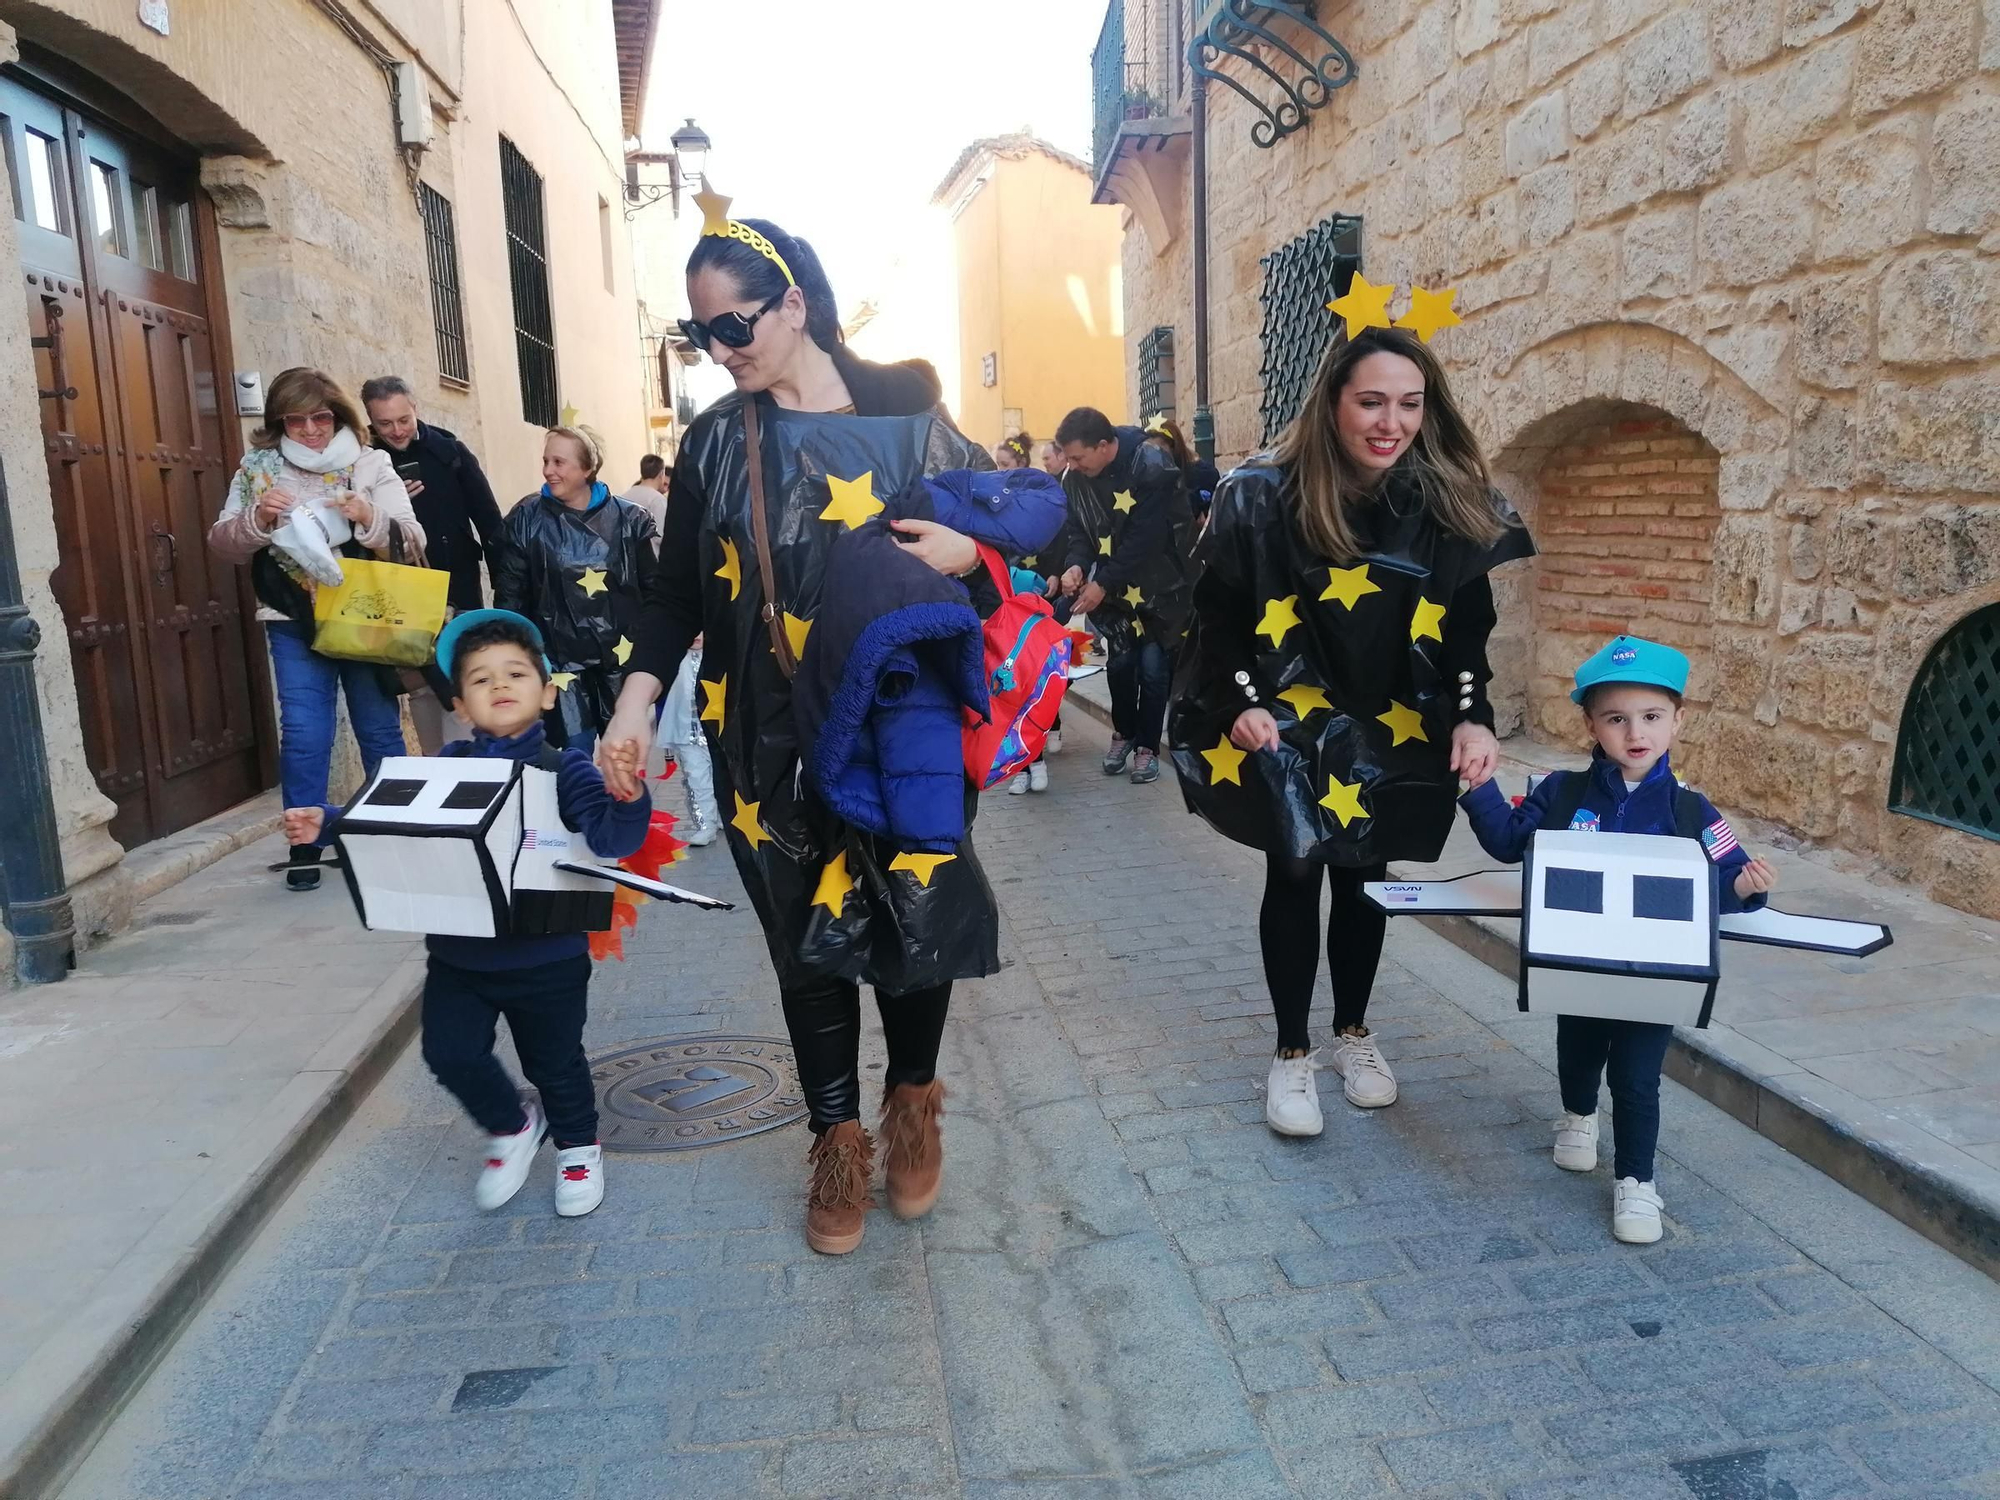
(1629, 659)
(448, 638)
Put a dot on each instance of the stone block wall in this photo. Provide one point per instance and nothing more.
(1773, 221)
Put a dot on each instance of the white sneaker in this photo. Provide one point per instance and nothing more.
(1038, 777)
(1053, 745)
(1291, 1097)
(508, 1158)
(702, 834)
(1635, 1212)
(1576, 1143)
(1018, 787)
(1359, 1062)
(579, 1180)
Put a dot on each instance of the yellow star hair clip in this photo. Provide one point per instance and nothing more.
(1429, 311)
(1363, 305)
(715, 221)
(1158, 426)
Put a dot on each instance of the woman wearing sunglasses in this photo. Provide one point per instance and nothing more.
(309, 465)
(839, 908)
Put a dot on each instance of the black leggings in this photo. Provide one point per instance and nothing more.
(1288, 927)
(825, 1022)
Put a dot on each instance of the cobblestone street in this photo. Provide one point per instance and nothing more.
(1130, 1286)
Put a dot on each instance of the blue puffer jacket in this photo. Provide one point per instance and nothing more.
(895, 657)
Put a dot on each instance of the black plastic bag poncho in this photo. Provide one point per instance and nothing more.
(834, 902)
(1129, 529)
(580, 575)
(1351, 663)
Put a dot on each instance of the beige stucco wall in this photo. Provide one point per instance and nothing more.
(1771, 219)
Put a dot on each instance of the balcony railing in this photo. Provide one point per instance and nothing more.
(1133, 70)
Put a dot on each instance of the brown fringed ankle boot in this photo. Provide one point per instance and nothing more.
(914, 1145)
(837, 1202)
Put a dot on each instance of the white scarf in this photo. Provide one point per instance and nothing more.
(340, 453)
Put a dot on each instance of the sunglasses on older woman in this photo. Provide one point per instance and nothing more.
(730, 328)
(306, 421)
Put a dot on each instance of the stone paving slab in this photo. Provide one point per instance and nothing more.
(1130, 1287)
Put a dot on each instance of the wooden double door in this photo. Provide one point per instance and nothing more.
(137, 422)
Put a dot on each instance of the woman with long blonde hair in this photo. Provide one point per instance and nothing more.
(1333, 689)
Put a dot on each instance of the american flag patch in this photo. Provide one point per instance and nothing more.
(528, 839)
(1718, 839)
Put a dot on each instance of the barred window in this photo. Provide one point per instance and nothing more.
(447, 310)
(1948, 754)
(1156, 374)
(1299, 280)
(528, 269)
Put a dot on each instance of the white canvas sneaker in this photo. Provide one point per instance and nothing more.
(1038, 777)
(1635, 1212)
(1018, 787)
(508, 1158)
(579, 1180)
(1365, 1072)
(1576, 1142)
(1053, 746)
(1291, 1097)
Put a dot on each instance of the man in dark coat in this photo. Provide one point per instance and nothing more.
(456, 508)
(1120, 560)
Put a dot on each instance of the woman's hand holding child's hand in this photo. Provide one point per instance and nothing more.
(619, 760)
(302, 824)
(1755, 879)
(1475, 754)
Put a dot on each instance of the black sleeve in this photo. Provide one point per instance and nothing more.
(508, 563)
(480, 507)
(1150, 531)
(1227, 620)
(671, 618)
(1467, 625)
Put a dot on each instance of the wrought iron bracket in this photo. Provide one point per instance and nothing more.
(1242, 29)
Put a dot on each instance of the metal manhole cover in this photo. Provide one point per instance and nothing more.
(674, 1093)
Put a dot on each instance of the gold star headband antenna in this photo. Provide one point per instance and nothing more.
(715, 220)
(1364, 305)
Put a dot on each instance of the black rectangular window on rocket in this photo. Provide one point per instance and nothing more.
(1573, 890)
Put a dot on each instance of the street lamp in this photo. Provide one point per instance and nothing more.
(685, 165)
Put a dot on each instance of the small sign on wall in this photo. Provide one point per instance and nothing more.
(153, 15)
(989, 370)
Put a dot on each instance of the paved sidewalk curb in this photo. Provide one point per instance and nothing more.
(102, 1355)
(1857, 1153)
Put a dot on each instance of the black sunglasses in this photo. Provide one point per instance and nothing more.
(732, 328)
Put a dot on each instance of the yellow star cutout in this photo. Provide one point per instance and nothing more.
(1104, 546)
(592, 582)
(745, 822)
(1404, 723)
(834, 884)
(714, 210)
(1225, 763)
(795, 632)
(1280, 615)
(1429, 311)
(1362, 305)
(1133, 597)
(623, 650)
(1138, 627)
(1342, 800)
(1426, 620)
(731, 569)
(711, 707)
(923, 866)
(853, 500)
(567, 416)
(1123, 500)
(1304, 699)
(1028, 563)
(1348, 585)
(562, 680)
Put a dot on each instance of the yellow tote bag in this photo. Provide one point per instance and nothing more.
(383, 612)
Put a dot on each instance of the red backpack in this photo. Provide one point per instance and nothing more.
(1027, 671)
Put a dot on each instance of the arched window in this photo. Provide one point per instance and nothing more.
(1948, 755)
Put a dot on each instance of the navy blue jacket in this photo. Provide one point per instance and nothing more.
(1503, 830)
(612, 828)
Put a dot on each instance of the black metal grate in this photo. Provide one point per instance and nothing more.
(447, 310)
(1948, 756)
(1156, 374)
(528, 269)
(1299, 280)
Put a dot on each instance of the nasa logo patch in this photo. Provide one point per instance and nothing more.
(1624, 656)
(1585, 821)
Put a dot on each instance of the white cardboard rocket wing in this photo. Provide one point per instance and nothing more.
(476, 847)
(1620, 925)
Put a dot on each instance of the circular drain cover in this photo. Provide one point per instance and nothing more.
(674, 1093)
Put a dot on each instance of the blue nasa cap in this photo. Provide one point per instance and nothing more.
(1630, 659)
(447, 645)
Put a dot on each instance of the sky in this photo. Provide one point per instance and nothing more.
(839, 118)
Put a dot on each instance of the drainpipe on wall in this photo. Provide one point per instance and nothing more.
(31, 870)
(1204, 419)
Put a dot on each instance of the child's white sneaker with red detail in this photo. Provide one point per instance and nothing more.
(579, 1180)
(508, 1159)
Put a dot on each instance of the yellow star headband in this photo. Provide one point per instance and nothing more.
(1366, 306)
(1158, 426)
(715, 220)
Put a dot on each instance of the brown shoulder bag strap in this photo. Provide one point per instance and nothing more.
(760, 530)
